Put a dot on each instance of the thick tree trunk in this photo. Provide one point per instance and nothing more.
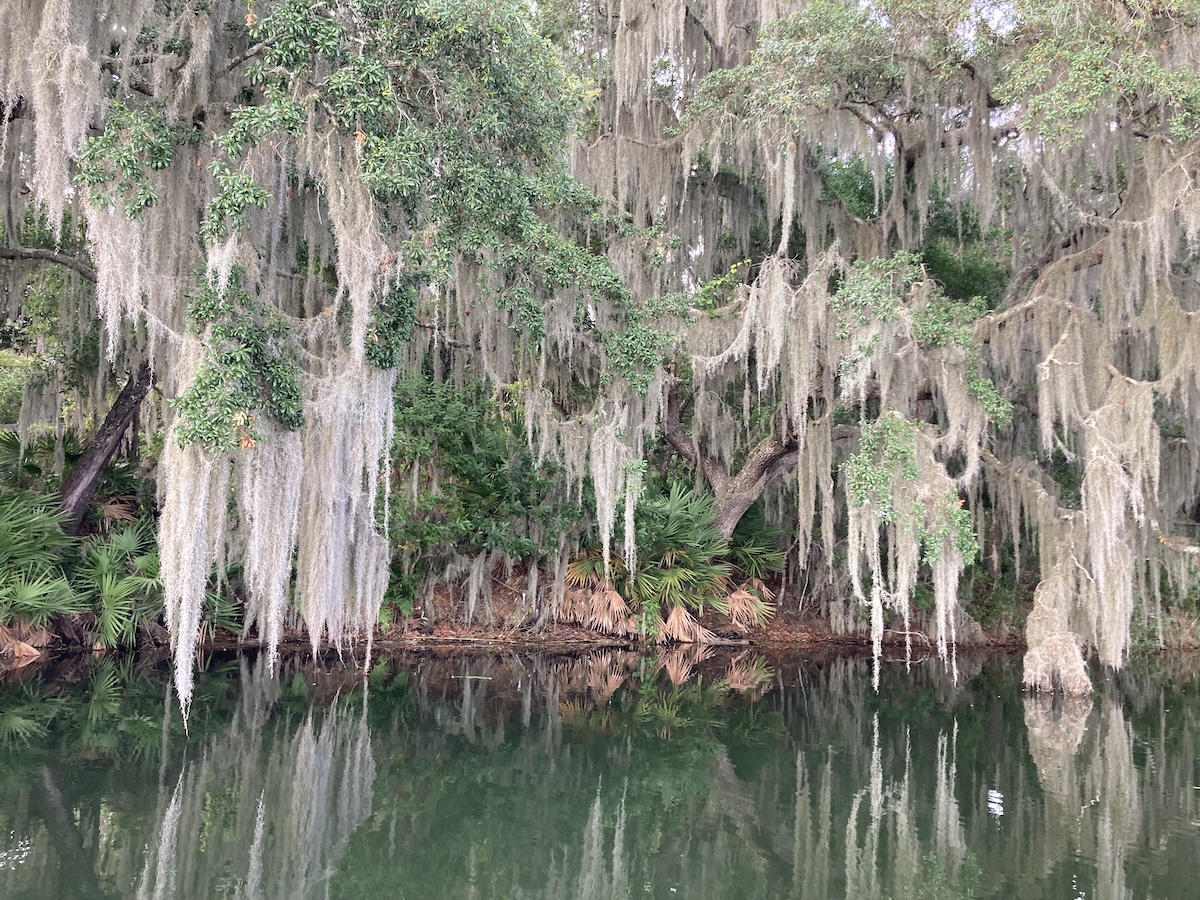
(771, 458)
(736, 493)
(80, 483)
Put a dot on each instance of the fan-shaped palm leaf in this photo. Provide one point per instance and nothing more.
(35, 599)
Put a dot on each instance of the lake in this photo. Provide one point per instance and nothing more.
(693, 774)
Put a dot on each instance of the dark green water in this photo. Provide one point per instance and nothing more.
(598, 777)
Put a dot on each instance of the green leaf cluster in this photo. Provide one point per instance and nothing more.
(886, 456)
(1111, 60)
(944, 323)
(828, 54)
(115, 163)
(872, 290)
(392, 322)
(886, 450)
(635, 351)
(848, 181)
(250, 370)
(227, 211)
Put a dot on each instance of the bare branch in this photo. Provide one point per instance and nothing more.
(1034, 268)
(682, 444)
(71, 262)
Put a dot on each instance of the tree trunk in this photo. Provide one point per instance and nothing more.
(80, 483)
(772, 456)
(736, 493)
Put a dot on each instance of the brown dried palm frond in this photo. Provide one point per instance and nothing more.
(14, 649)
(630, 627)
(681, 625)
(117, 509)
(608, 610)
(747, 673)
(758, 586)
(569, 677)
(38, 638)
(652, 626)
(747, 608)
(575, 606)
(571, 710)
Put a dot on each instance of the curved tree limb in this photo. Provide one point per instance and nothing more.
(1034, 269)
(71, 262)
(682, 443)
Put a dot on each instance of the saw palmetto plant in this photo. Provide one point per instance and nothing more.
(683, 566)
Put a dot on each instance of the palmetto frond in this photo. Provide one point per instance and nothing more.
(680, 625)
(34, 599)
(754, 548)
(746, 608)
(116, 610)
(680, 662)
(119, 578)
(747, 673)
(20, 724)
(605, 674)
(609, 611)
(31, 537)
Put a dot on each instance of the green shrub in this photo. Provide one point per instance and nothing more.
(33, 589)
(32, 468)
(683, 563)
(478, 486)
(118, 581)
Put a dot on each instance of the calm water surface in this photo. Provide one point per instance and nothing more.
(607, 776)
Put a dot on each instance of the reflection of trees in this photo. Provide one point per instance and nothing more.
(1097, 802)
(266, 810)
(594, 776)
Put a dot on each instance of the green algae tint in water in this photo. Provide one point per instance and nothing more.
(609, 776)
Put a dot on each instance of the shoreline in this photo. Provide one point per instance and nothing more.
(781, 638)
(561, 637)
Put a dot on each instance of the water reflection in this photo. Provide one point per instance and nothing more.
(312, 781)
(693, 774)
